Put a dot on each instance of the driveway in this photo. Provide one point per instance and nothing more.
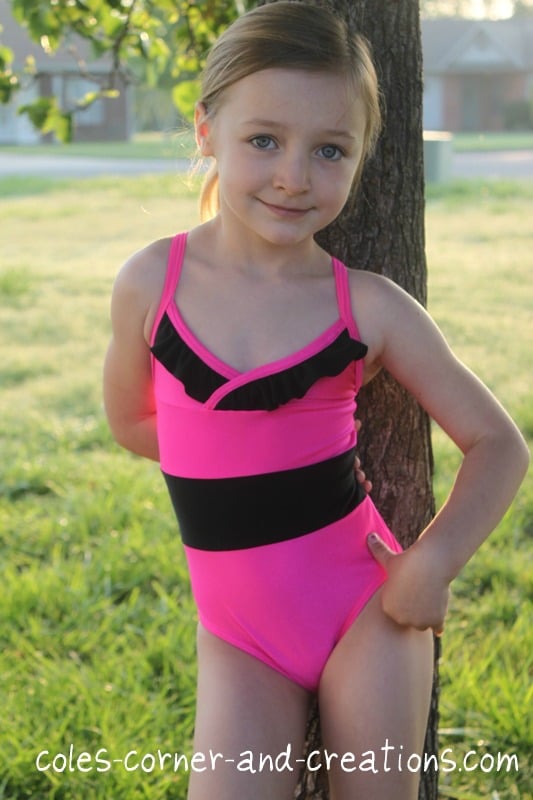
(509, 164)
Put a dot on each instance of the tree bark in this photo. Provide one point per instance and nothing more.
(385, 234)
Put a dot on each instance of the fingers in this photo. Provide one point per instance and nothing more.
(381, 551)
(361, 477)
(409, 596)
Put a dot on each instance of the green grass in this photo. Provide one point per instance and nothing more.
(493, 141)
(170, 145)
(97, 635)
(481, 294)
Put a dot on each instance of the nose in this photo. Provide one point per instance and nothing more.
(292, 173)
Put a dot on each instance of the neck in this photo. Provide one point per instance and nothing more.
(259, 258)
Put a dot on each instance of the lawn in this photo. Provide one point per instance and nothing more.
(97, 636)
(505, 140)
(174, 144)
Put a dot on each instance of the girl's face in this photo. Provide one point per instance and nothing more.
(287, 145)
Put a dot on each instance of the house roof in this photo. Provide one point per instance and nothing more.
(468, 45)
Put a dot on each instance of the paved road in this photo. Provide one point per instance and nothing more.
(508, 164)
(84, 166)
(511, 164)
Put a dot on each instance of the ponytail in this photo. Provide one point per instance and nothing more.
(209, 202)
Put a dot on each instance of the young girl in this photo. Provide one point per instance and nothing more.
(238, 349)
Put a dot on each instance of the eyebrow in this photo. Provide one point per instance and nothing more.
(268, 123)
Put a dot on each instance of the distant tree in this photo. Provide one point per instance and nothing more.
(153, 42)
(149, 42)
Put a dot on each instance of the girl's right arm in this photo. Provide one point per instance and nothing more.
(128, 394)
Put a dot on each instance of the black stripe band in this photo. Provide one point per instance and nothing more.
(254, 510)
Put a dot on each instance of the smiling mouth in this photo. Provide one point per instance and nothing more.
(285, 211)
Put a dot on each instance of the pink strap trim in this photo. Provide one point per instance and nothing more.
(345, 309)
(174, 264)
(343, 298)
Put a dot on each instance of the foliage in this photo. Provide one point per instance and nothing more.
(158, 42)
(8, 80)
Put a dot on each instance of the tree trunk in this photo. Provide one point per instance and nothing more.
(385, 234)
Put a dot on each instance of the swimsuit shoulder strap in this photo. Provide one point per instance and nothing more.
(172, 275)
(174, 265)
(343, 298)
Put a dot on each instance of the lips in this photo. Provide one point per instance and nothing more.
(285, 211)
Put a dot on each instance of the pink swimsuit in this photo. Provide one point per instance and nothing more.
(259, 466)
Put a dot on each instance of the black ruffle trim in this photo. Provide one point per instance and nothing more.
(199, 380)
(266, 393)
(276, 389)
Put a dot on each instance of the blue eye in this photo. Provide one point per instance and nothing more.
(331, 152)
(263, 142)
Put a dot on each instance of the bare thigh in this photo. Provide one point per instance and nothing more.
(245, 711)
(374, 702)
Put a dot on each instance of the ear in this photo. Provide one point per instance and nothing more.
(202, 128)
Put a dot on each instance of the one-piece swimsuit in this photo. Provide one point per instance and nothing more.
(260, 470)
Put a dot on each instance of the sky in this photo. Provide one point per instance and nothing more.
(492, 9)
(504, 8)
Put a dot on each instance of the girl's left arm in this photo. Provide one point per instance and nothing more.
(409, 345)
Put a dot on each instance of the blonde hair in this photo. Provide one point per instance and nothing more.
(288, 35)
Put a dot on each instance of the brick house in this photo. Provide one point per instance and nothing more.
(478, 74)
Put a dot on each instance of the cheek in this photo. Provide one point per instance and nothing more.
(336, 185)
(241, 169)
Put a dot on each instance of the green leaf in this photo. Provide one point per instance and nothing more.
(9, 83)
(61, 124)
(6, 56)
(47, 117)
(38, 111)
(112, 94)
(91, 97)
(30, 67)
(185, 96)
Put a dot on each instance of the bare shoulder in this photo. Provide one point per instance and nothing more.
(139, 283)
(377, 304)
(144, 271)
(369, 287)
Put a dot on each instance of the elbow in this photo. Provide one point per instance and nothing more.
(121, 433)
(118, 425)
(524, 455)
(121, 437)
(503, 447)
(137, 437)
(519, 451)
